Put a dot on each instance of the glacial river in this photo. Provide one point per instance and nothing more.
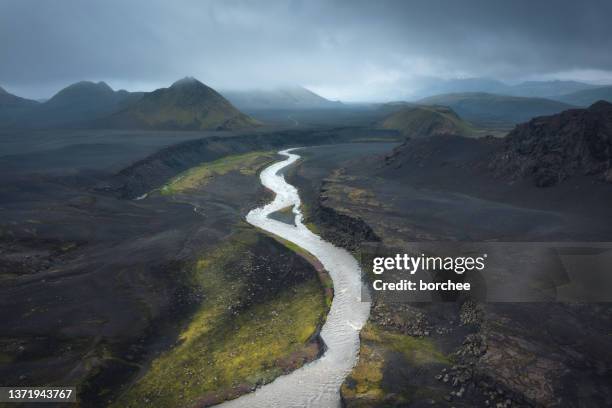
(316, 384)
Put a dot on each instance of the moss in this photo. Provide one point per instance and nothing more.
(226, 349)
(247, 164)
(364, 386)
(307, 212)
(366, 379)
(416, 350)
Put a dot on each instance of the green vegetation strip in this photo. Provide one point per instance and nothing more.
(247, 164)
(365, 382)
(222, 354)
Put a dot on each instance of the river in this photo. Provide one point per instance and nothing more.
(316, 384)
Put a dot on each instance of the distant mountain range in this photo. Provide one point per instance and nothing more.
(287, 98)
(493, 110)
(587, 97)
(540, 89)
(187, 104)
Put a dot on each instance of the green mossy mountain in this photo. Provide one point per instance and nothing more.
(187, 104)
(424, 121)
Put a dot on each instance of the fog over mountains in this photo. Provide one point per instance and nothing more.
(190, 104)
(341, 50)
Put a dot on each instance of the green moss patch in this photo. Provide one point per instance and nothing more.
(365, 387)
(235, 341)
(247, 164)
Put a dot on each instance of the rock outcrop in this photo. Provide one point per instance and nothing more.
(551, 149)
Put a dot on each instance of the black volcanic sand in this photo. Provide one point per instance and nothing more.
(508, 354)
(93, 286)
(72, 150)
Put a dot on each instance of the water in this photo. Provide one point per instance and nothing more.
(316, 384)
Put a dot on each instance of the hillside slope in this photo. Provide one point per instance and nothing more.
(424, 121)
(553, 148)
(286, 98)
(8, 100)
(587, 97)
(12, 107)
(81, 102)
(187, 104)
(496, 110)
(74, 106)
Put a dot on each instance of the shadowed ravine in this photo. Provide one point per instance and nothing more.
(316, 384)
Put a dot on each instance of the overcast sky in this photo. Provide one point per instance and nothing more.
(349, 50)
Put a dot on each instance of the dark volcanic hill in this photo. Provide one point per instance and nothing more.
(587, 97)
(424, 121)
(496, 110)
(74, 106)
(80, 103)
(553, 148)
(12, 106)
(10, 101)
(186, 105)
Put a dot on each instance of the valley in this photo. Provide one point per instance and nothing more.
(152, 253)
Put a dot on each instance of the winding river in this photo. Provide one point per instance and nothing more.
(316, 384)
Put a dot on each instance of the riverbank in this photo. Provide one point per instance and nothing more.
(317, 383)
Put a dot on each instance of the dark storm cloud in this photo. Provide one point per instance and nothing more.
(348, 49)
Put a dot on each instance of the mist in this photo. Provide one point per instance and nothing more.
(347, 50)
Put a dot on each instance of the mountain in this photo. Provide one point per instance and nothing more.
(187, 104)
(587, 97)
(541, 89)
(546, 89)
(82, 102)
(425, 121)
(553, 148)
(288, 98)
(75, 105)
(10, 101)
(496, 110)
(12, 107)
(430, 86)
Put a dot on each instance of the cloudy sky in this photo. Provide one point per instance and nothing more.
(349, 50)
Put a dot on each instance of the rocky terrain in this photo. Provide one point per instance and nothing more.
(464, 353)
(551, 149)
(73, 253)
(95, 287)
